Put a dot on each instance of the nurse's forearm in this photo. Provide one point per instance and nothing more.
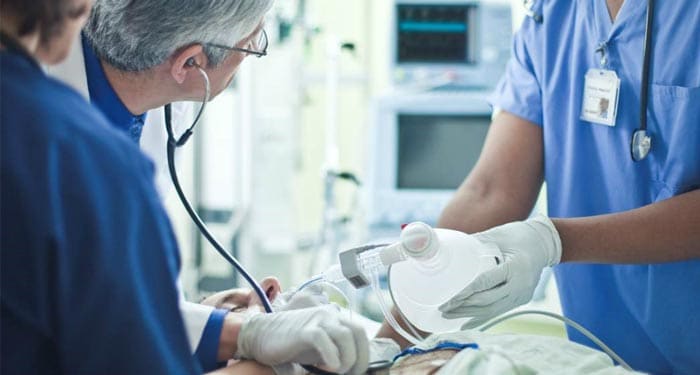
(228, 341)
(476, 209)
(661, 232)
(505, 182)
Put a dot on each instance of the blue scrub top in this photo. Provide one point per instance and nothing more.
(649, 314)
(103, 96)
(89, 260)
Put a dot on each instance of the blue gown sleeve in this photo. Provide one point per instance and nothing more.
(518, 91)
(208, 349)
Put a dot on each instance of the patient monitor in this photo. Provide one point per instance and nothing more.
(469, 41)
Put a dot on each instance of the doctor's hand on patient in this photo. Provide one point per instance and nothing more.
(528, 247)
(319, 336)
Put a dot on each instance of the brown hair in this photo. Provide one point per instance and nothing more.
(46, 15)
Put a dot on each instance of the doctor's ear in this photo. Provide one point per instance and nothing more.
(185, 59)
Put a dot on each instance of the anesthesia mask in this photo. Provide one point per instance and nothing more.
(426, 267)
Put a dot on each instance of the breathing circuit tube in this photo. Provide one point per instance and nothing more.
(568, 322)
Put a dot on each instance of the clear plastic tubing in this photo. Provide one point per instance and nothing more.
(372, 264)
(387, 312)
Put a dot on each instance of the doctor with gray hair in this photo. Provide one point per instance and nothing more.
(137, 36)
(135, 57)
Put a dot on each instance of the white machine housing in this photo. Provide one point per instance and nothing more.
(389, 204)
(481, 42)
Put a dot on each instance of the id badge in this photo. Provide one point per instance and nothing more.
(600, 97)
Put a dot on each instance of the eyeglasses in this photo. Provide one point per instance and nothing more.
(258, 46)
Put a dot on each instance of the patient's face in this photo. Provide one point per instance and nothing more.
(244, 299)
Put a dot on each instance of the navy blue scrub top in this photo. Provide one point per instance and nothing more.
(89, 260)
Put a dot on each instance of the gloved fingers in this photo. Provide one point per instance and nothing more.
(343, 339)
(483, 282)
(486, 236)
(467, 311)
(318, 339)
(362, 348)
(487, 297)
(491, 309)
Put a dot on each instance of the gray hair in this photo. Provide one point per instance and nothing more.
(135, 35)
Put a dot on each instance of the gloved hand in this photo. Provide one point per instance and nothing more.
(319, 336)
(528, 247)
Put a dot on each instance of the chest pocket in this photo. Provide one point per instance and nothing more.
(674, 122)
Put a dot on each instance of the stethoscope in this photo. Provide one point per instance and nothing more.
(173, 144)
(640, 144)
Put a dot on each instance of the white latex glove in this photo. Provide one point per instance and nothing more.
(528, 247)
(319, 336)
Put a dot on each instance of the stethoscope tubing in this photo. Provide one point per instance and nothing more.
(172, 145)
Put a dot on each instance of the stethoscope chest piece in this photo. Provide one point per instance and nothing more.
(641, 145)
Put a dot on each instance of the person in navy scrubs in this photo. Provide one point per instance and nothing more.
(89, 260)
(79, 295)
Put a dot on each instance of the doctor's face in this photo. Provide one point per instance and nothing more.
(222, 75)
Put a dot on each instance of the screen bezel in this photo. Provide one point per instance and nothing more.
(471, 49)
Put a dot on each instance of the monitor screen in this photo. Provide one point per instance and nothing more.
(438, 151)
(435, 33)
